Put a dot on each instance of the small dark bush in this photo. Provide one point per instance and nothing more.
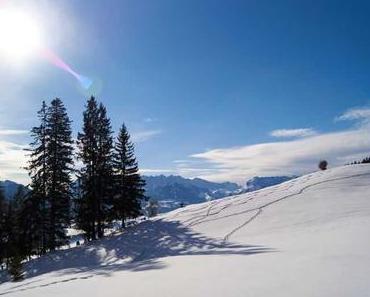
(323, 165)
(16, 268)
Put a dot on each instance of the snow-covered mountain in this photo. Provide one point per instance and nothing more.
(305, 237)
(260, 182)
(172, 191)
(10, 188)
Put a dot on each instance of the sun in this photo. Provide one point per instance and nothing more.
(20, 34)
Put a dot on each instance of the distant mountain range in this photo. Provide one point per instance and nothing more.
(173, 191)
(260, 182)
(10, 188)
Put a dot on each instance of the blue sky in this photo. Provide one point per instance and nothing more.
(204, 85)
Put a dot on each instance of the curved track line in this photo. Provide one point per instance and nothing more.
(185, 211)
(228, 235)
(302, 190)
(195, 219)
(209, 214)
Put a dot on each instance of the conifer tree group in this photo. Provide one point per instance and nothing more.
(110, 188)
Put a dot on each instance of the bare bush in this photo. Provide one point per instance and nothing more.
(323, 164)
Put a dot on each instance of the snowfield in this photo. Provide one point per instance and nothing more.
(306, 237)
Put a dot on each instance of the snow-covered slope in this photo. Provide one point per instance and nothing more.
(305, 237)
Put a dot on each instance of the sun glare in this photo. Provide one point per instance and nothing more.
(20, 34)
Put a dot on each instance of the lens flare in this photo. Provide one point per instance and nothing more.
(54, 59)
(85, 82)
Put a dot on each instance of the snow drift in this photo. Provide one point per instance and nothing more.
(305, 237)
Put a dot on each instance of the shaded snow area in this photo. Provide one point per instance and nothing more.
(306, 237)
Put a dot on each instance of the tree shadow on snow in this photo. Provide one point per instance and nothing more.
(137, 249)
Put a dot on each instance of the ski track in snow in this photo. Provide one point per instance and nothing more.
(301, 191)
(23, 288)
(188, 211)
(203, 218)
(198, 219)
(228, 235)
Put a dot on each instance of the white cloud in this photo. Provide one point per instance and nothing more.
(145, 135)
(303, 132)
(361, 114)
(181, 161)
(12, 161)
(8, 132)
(287, 157)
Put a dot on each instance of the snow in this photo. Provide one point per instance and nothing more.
(305, 237)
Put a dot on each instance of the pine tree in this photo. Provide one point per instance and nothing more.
(59, 168)
(87, 143)
(129, 186)
(95, 151)
(37, 167)
(105, 182)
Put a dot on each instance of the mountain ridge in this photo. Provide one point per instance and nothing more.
(174, 191)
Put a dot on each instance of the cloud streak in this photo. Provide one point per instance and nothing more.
(360, 114)
(11, 132)
(12, 161)
(303, 132)
(144, 135)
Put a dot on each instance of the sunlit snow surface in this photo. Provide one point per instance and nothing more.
(306, 237)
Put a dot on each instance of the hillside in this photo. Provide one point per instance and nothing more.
(304, 237)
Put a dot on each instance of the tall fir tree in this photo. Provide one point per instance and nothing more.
(59, 150)
(87, 144)
(37, 167)
(104, 170)
(95, 151)
(129, 186)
